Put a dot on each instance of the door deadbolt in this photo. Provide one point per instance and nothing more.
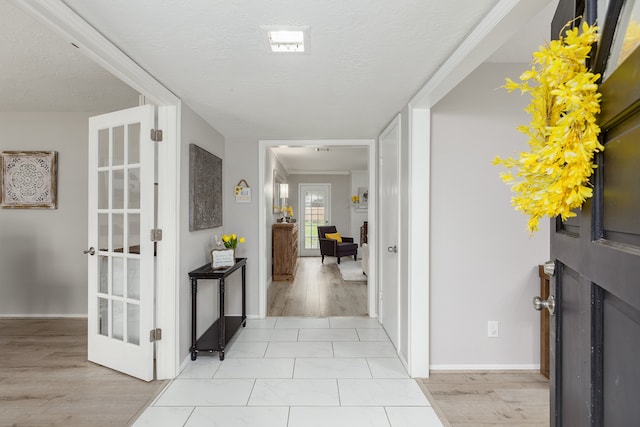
(549, 268)
(393, 249)
(549, 304)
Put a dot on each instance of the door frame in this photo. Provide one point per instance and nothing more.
(264, 261)
(64, 21)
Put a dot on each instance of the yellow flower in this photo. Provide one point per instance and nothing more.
(231, 240)
(553, 177)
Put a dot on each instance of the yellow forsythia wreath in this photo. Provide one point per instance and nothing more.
(553, 178)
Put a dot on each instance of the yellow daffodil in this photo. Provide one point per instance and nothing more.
(231, 240)
(553, 177)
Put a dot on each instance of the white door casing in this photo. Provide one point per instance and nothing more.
(389, 180)
(266, 217)
(315, 209)
(121, 216)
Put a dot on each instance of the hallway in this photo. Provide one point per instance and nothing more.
(317, 290)
(297, 372)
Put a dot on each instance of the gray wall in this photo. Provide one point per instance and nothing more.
(483, 262)
(44, 272)
(195, 246)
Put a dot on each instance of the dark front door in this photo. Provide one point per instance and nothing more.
(595, 332)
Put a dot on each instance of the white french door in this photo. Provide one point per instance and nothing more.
(315, 209)
(389, 173)
(121, 261)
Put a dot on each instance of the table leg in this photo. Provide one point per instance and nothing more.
(244, 296)
(194, 291)
(221, 321)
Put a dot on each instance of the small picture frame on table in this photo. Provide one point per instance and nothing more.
(222, 258)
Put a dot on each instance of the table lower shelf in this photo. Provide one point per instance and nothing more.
(210, 340)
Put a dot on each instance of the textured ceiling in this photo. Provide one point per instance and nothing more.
(336, 159)
(367, 58)
(532, 35)
(41, 72)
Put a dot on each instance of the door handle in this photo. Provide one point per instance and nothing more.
(549, 304)
(91, 251)
(393, 249)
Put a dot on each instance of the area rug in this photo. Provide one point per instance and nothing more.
(351, 271)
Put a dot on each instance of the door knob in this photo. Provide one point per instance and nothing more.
(393, 249)
(549, 304)
(90, 251)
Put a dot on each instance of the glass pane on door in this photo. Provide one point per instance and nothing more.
(627, 36)
(315, 212)
(119, 233)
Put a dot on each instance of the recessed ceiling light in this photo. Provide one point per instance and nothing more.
(287, 39)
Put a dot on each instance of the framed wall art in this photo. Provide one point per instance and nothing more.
(29, 179)
(363, 199)
(205, 189)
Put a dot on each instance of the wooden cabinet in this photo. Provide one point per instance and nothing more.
(285, 251)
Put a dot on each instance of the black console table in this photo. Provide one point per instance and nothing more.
(220, 332)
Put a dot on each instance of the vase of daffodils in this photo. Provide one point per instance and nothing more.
(231, 241)
(288, 213)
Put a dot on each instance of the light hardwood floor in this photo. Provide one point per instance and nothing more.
(46, 380)
(507, 398)
(317, 290)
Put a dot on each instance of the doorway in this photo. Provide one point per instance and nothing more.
(63, 21)
(265, 166)
(315, 210)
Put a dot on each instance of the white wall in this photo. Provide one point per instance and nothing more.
(44, 272)
(483, 262)
(358, 217)
(195, 246)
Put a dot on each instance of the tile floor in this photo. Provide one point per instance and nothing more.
(296, 372)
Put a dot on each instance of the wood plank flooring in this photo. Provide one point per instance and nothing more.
(506, 398)
(46, 380)
(317, 291)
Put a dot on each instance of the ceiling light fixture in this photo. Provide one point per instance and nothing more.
(287, 39)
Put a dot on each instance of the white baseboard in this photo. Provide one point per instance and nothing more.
(484, 367)
(42, 316)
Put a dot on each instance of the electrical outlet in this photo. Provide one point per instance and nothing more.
(492, 329)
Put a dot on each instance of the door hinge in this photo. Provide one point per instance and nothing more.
(155, 335)
(156, 135)
(156, 235)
